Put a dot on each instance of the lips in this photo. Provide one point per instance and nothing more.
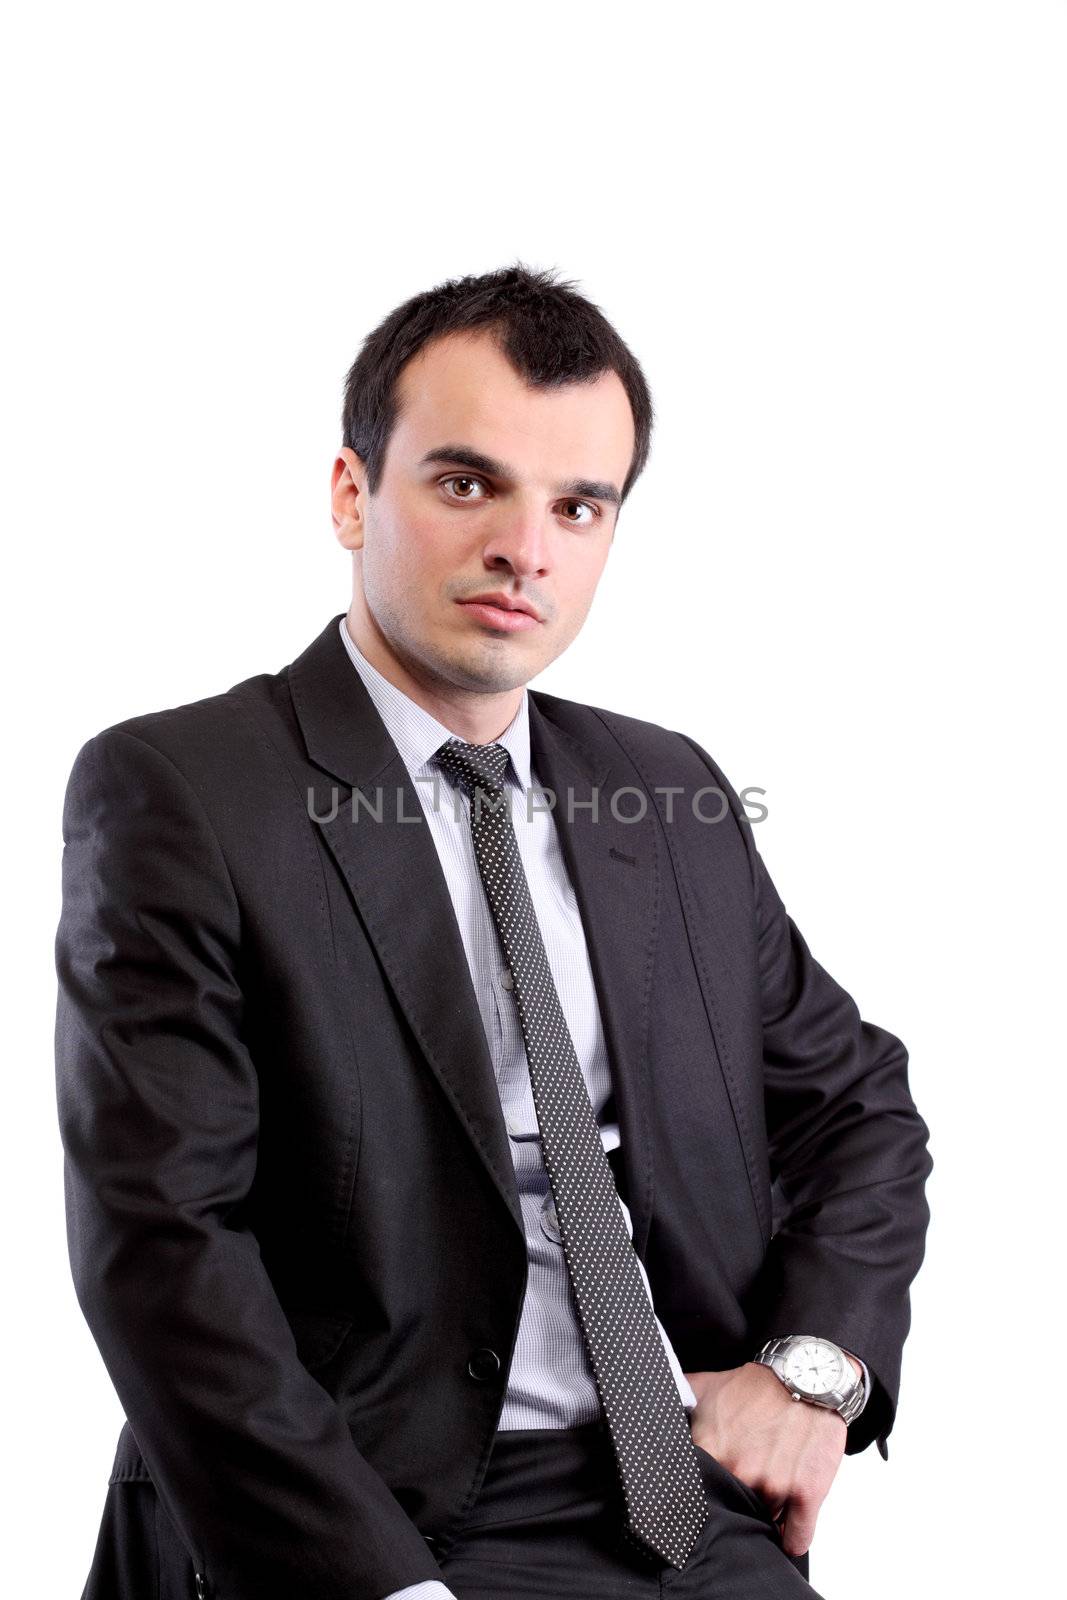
(500, 614)
(503, 602)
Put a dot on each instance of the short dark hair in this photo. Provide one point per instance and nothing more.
(550, 333)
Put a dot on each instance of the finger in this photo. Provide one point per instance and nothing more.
(798, 1526)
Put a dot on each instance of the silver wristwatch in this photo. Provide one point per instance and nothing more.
(816, 1370)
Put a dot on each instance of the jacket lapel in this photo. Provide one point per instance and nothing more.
(399, 890)
(614, 867)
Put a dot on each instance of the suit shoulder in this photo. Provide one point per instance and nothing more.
(664, 757)
(635, 734)
(222, 729)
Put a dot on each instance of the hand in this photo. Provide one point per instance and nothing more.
(788, 1451)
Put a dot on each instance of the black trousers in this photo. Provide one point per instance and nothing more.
(547, 1525)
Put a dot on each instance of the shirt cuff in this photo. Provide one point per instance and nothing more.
(428, 1589)
(866, 1378)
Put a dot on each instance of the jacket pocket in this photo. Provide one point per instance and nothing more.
(128, 1465)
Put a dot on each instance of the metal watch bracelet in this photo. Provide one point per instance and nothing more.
(847, 1406)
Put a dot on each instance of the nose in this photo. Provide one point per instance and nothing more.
(520, 544)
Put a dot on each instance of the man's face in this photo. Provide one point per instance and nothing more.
(490, 487)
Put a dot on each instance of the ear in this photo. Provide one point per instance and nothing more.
(348, 497)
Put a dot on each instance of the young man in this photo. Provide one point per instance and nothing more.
(467, 1163)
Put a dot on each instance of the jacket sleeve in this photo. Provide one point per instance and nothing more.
(158, 1109)
(849, 1160)
(849, 1153)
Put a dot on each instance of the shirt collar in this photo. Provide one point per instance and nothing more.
(418, 735)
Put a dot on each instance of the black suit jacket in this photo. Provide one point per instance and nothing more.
(292, 1212)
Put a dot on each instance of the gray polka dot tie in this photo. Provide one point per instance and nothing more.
(666, 1504)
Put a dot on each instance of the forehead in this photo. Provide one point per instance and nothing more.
(461, 387)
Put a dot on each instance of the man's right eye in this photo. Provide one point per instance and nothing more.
(463, 479)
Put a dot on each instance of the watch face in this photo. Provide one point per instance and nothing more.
(816, 1367)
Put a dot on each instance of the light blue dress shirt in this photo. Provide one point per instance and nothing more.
(550, 1381)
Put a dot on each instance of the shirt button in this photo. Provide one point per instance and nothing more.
(550, 1221)
(506, 980)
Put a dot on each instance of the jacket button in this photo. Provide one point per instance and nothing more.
(483, 1364)
(201, 1587)
(433, 1542)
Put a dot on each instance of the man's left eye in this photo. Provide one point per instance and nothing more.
(584, 506)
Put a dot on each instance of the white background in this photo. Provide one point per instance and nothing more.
(834, 235)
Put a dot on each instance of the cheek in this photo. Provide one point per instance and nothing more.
(408, 551)
(582, 580)
(431, 540)
(574, 609)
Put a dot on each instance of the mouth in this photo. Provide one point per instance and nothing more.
(500, 613)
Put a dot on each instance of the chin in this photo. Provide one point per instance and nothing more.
(493, 677)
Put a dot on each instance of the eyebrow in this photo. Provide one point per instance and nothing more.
(462, 455)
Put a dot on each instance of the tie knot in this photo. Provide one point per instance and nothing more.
(475, 765)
